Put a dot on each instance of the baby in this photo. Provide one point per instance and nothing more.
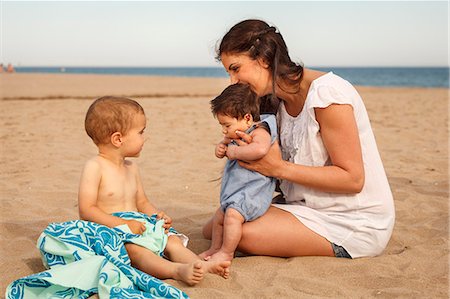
(111, 183)
(245, 195)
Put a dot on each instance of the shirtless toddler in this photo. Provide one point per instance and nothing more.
(110, 183)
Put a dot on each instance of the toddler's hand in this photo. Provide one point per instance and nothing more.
(221, 150)
(136, 227)
(167, 220)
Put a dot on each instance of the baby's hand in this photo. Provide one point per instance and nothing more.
(221, 150)
(136, 227)
(167, 220)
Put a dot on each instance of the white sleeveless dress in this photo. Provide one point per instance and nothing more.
(362, 223)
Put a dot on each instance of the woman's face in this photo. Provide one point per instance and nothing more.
(243, 69)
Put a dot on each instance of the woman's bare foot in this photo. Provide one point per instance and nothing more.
(191, 274)
(221, 268)
(205, 254)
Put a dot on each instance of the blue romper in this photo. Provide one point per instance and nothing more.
(247, 191)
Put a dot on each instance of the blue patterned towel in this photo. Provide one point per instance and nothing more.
(85, 258)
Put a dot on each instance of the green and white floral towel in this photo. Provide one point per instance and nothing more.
(85, 258)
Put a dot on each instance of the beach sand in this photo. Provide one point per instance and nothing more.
(44, 148)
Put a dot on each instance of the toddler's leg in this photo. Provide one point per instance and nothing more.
(176, 252)
(148, 262)
(216, 237)
(232, 233)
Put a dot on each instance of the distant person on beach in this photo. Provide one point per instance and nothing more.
(245, 195)
(336, 196)
(10, 68)
(110, 183)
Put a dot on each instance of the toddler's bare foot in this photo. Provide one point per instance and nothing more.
(222, 256)
(205, 254)
(191, 274)
(221, 268)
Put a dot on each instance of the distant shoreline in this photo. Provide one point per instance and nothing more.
(54, 86)
(362, 76)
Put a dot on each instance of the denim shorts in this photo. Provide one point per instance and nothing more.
(340, 251)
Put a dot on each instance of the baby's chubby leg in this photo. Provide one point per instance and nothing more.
(176, 252)
(232, 233)
(148, 262)
(216, 235)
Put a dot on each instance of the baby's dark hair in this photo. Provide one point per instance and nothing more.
(235, 101)
(108, 115)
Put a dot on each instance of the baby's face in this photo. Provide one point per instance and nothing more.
(231, 124)
(133, 140)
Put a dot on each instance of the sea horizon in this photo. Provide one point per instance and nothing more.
(404, 76)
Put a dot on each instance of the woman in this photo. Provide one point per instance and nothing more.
(337, 197)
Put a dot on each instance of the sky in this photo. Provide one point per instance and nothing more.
(170, 33)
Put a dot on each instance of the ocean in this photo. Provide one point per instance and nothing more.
(365, 76)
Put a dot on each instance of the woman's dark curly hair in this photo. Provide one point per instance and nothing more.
(259, 40)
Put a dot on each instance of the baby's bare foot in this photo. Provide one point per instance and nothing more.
(221, 268)
(191, 274)
(222, 256)
(206, 254)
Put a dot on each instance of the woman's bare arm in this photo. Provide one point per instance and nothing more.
(255, 150)
(340, 136)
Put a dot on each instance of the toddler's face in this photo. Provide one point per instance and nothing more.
(134, 139)
(231, 124)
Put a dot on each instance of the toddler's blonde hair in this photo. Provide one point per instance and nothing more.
(108, 115)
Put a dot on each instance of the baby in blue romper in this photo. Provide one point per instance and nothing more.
(245, 195)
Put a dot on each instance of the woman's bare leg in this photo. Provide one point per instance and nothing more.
(279, 233)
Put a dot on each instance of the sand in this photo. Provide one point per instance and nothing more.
(44, 148)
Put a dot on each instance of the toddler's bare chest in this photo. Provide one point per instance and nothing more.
(118, 187)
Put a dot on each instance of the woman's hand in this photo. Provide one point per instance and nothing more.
(269, 165)
(244, 140)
